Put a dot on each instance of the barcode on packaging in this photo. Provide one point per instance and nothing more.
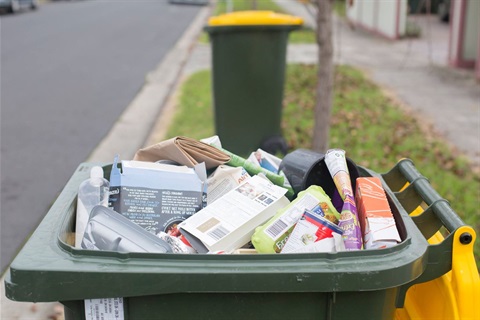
(276, 229)
(218, 233)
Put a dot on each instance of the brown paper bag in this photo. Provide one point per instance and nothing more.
(185, 151)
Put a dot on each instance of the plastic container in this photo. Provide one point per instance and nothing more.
(368, 284)
(304, 168)
(91, 192)
(248, 74)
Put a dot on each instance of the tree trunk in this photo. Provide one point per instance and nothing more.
(324, 100)
(254, 5)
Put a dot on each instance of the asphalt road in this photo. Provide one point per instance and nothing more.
(68, 70)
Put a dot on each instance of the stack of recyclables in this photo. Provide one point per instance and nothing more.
(363, 284)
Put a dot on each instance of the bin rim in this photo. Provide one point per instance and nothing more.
(250, 18)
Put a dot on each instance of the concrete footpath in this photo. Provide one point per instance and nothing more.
(413, 72)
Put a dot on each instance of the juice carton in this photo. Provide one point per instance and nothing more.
(376, 219)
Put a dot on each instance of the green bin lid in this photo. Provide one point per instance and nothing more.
(254, 18)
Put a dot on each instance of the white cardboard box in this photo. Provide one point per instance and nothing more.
(228, 223)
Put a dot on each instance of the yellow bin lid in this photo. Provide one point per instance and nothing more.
(254, 18)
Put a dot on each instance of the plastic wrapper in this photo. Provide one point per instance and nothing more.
(178, 246)
(312, 233)
(272, 236)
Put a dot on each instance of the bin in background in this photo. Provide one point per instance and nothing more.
(193, 2)
(248, 74)
(367, 284)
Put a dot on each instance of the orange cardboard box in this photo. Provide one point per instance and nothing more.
(376, 219)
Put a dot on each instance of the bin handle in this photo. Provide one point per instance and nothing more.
(416, 192)
(437, 206)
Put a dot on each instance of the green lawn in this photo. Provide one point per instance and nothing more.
(374, 131)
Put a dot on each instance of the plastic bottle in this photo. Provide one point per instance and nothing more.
(91, 192)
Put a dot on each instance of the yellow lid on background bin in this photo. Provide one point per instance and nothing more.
(254, 18)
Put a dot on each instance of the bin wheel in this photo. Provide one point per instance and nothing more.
(274, 145)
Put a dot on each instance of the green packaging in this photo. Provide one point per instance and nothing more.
(272, 236)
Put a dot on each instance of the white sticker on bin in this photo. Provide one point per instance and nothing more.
(104, 309)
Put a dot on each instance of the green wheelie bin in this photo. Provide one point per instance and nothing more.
(364, 284)
(248, 72)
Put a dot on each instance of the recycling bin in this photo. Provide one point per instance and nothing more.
(248, 74)
(192, 2)
(365, 284)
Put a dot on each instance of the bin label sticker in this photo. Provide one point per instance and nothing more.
(104, 309)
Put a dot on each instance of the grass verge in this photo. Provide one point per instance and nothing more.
(243, 5)
(339, 6)
(374, 131)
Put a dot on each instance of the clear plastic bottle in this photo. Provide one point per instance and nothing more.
(91, 192)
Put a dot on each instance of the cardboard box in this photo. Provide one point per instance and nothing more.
(376, 219)
(229, 222)
(157, 197)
